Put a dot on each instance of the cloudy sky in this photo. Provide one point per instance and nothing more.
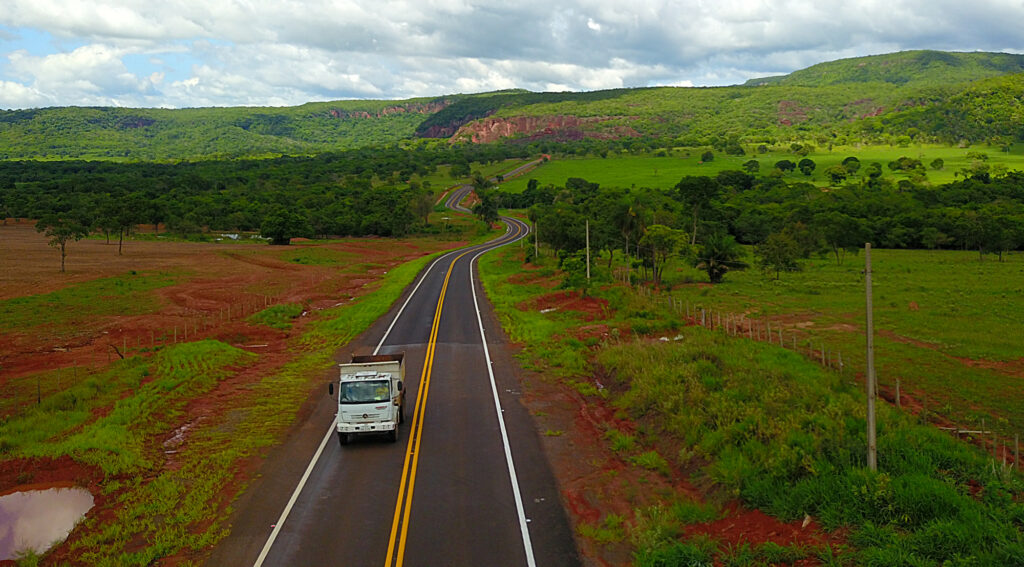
(182, 53)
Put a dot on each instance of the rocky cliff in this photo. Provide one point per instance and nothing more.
(559, 127)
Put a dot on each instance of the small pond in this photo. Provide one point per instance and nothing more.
(37, 519)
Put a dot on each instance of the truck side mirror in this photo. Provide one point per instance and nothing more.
(330, 389)
(399, 385)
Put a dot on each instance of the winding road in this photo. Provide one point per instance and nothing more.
(467, 483)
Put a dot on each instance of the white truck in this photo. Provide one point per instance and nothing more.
(371, 398)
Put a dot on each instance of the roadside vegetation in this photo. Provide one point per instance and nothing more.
(179, 509)
(759, 424)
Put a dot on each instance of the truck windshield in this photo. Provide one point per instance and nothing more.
(364, 392)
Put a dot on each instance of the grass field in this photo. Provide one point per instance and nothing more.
(947, 325)
(664, 172)
(776, 429)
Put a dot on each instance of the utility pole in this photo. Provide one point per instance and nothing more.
(536, 247)
(872, 443)
(588, 250)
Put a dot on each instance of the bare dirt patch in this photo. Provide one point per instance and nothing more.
(589, 308)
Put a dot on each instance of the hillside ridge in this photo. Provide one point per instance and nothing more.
(874, 99)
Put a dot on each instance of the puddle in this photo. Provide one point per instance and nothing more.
(37, 519)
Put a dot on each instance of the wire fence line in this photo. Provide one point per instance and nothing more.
(1003, 447)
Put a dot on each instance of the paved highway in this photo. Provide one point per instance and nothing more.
(467, 483)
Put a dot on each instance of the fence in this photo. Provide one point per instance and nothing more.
(761, 329)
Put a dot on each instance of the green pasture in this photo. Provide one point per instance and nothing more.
(768, 425)
(61, 312)
(647, 170)
(941, 318)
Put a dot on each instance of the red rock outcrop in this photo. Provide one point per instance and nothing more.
(414, 108)
(559, 127)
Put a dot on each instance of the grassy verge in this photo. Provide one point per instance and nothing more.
(767, 426)
(163, 509)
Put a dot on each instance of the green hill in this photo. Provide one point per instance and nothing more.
(903, 68)
(937, 96)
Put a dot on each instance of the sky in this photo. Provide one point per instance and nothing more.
(193, 53)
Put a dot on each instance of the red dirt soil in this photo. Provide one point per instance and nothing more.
(218, 286)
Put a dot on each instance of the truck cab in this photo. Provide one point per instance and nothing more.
(371, 396)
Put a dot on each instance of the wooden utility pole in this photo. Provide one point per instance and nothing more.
(872, 443)
(536, 246)
(588, 250)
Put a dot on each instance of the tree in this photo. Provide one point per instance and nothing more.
(707, 156)
(487, 208)
(751, 166)
(852, 165)
(662, 243)
(842, 233)
(807, 166)
(778, 252)
(698, 192)
(784, 165)
(61, 229)
(574, 265)
(459, 169)
(717, 255)
(937, 164)
(836, 174)
(281, 226)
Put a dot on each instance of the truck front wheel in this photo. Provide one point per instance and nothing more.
(393, 434)
(342, 438)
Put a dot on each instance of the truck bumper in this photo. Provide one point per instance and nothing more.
(365, 427)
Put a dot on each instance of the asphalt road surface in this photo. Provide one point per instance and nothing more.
(466, 484)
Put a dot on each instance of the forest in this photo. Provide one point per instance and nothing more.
(707, 217)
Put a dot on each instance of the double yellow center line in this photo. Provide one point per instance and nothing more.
(403, 505)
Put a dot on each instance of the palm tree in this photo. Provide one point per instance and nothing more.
(718, 254)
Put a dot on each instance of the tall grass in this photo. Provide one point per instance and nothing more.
(787, 436)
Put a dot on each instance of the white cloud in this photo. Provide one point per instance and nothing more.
(16, 95)
(290, 51)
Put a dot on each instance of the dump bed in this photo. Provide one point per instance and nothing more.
(375, 363)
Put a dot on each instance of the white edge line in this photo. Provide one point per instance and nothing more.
(527, 545)
(316, 456)
(291, 501)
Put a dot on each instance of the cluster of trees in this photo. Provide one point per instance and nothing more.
(355, 193)
(705, 218)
